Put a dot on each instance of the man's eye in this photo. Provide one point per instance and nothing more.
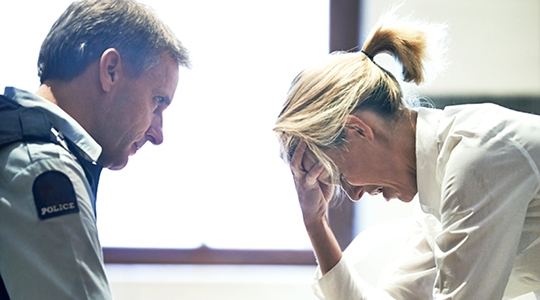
(159, 99)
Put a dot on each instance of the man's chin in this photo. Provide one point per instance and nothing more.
(118, 164)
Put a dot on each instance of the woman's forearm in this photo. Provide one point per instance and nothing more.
(324, 244)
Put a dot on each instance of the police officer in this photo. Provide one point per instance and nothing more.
(108, 69)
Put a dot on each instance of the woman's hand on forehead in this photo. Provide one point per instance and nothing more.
(313, 193)
(303, 159)
(306, 168)
(308, 159)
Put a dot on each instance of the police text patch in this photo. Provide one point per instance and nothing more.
(54, 195)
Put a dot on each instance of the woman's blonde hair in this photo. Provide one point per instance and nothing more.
(323, 95)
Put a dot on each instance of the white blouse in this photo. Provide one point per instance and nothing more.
(478, 234)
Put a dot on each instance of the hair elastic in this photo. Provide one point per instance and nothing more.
(367, 54)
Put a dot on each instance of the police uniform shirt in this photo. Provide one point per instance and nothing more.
(477, 230)
(49, 247)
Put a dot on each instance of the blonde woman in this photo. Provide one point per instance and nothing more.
(475, 169)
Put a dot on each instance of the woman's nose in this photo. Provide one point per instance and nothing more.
(354, 192)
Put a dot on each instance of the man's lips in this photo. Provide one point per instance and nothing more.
(135, 148)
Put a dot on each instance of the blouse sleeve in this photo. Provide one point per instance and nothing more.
(344, 283)
(486, 188)
(397, 250)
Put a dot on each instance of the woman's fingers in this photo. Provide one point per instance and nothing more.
(313, 192)
(304, 165)
(296, 160)
(312, 176)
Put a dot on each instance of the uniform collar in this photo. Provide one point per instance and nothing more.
(60, 119)
(427, 151)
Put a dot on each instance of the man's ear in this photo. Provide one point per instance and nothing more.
(355, 125)
(110, 69)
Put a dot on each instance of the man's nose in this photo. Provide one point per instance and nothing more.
(154, 134)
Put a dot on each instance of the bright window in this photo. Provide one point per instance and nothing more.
(218, 180)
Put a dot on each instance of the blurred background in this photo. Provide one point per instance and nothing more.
(212, 213)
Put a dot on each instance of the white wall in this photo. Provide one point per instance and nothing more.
(494, 44)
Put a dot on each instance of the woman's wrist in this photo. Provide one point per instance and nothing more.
(316, 223)
(324, 243)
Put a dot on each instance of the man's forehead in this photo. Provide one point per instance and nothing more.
(163, 78)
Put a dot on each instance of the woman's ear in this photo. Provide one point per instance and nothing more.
(110, 69)
(358, 126)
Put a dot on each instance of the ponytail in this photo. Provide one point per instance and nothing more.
(418, 46)
(324, 94)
